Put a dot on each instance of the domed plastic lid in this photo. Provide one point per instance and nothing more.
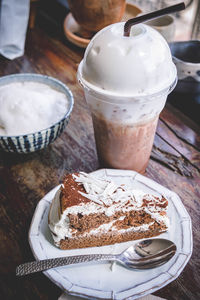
(138, 65)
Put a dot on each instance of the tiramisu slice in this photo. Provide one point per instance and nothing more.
(89, 211)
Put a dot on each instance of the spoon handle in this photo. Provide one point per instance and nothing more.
(42, 265)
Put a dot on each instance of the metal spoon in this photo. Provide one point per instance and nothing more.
(152, 252)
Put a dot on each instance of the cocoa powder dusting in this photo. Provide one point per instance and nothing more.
(70, 195)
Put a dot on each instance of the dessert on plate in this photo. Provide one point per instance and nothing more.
(88, 211)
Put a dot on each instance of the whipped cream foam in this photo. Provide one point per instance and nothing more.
(27, 107)
(138, 65)
(106, 197)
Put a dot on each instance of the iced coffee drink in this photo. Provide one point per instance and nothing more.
(126, 81)
(124, 146)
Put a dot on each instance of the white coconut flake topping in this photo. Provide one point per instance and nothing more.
(106, 192)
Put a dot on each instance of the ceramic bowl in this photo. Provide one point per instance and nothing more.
(37, 140)
(186, 56)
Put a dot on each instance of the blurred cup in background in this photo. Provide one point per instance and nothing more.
(93, 15)
(165, 25)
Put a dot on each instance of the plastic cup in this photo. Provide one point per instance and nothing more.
(124, 127)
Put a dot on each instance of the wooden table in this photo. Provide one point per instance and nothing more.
(25, 179)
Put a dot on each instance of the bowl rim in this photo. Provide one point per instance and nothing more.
(180, 60)
(34, 77)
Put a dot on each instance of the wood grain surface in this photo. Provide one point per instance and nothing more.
(25, 179)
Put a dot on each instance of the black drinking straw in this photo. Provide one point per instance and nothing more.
(152, 15)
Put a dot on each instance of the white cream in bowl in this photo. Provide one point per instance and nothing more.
(27, 107)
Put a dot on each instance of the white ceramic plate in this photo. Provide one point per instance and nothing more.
(103, 280)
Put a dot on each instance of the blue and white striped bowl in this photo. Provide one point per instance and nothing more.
(38, 140)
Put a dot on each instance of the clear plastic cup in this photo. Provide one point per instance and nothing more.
(124, 127)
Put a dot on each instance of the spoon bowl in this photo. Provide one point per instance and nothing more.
(154, 247)
(145, 254)
(152, 252)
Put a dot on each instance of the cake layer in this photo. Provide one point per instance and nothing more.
(82, 223)
(104, 239)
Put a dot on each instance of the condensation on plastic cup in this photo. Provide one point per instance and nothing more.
(129, 108)
(104, 94)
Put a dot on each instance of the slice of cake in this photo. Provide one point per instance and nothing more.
(88, 211)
